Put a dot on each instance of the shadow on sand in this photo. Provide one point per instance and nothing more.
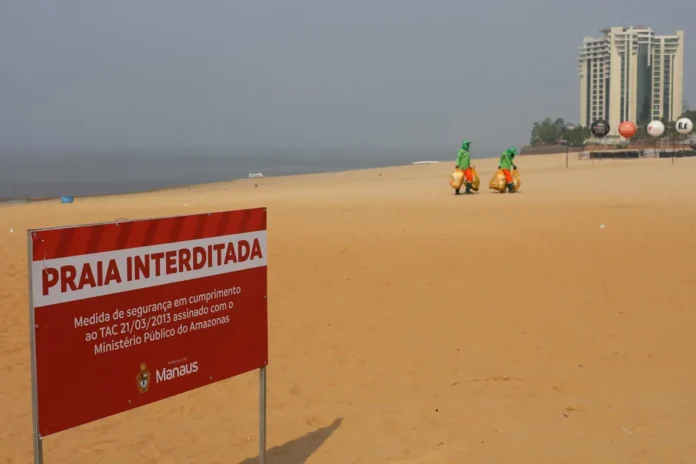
(298, 450)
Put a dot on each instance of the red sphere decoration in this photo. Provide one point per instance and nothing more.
(627, 129)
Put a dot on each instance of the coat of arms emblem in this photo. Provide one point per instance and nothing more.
(143, 379)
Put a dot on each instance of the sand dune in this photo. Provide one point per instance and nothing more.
(409, 325)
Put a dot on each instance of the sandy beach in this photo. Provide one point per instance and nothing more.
(410, 325)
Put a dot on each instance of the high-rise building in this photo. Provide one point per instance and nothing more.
(631, 74)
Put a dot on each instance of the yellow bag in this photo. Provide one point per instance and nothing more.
(498, 181)
(516, 179)
(476, 183)
(457, 179)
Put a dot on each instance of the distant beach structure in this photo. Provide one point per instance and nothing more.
(255, 174)
(426, 162)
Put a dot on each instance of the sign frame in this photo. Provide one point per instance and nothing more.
(37, 437)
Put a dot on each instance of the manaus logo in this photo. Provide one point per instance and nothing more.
(143, 379)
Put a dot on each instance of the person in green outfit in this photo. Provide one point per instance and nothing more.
(506, 164)
(464, 163)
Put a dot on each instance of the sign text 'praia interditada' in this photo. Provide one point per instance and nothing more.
(69, 277)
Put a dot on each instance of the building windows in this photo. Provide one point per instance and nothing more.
(646, 94)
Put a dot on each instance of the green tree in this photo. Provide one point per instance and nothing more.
(691, 114)
(551, 132)
(576, 136)
(544, 132)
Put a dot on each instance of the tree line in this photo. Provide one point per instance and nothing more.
(558, 131)
(553, 132)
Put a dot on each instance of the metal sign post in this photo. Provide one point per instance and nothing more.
(38, 445)
(262, 415)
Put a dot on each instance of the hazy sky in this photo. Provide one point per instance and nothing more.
(301, 73)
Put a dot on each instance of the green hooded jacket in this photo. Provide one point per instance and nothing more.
(506, 159)
(463, 157)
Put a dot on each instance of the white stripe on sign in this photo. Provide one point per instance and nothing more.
(87, 276)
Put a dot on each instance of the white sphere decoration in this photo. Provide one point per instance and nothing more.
(656, 128)
(684, 126)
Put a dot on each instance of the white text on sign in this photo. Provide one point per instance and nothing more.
(87, 276)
